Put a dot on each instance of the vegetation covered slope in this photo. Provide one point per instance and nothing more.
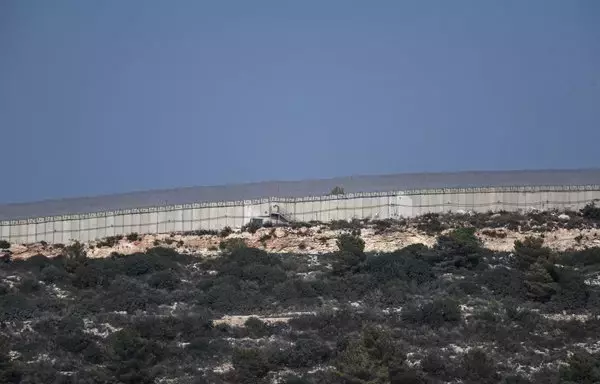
(451, 312)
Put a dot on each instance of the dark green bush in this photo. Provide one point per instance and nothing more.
(16, 307)
(75, 251)
(351, 252)
(109, 241)
(434, 365)
(305, 352)
(232, 244)
(585, 257)
(4, 244)
(226, 232)
(252, 226)
(250, 365)
(430, 223)
(435, 314)
(257, 328)
(337, 190)
(460, 247)
(133, 236)
(139, 264)
(530, 251)
(581, 368)
(353, 225)
(36, 263)
(164, 280)
(131, 357)
(477, 366)
(399, 265)
(590, 211)
(29, 285)
(503, 281)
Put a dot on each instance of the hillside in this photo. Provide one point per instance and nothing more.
(472, 298)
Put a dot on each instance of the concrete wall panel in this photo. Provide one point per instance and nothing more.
(110, 226)
(30, 238)
(201, 217)
(324, 209)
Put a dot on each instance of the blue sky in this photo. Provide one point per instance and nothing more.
(113, 96)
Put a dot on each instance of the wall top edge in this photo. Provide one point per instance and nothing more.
(270, 200)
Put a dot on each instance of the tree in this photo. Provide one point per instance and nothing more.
(337, 191)
(530, 251)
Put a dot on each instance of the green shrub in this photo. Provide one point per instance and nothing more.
(232, 244)
(352, 244)
(530, 251)
(369, 357)
(461, 248)
(337, 190)
(435, 314)
(306, 352)
(200, 232)
(75, 251)
(539, 283)
(581, 368)
(257, 328)
(164, 280)
(585, 257)
(250, 365)
(226, 232)
(590, 211)
(353, 224)
(133, 236)
(430, 223)
(434, 365)
(29, 285)
(16, 307)
(399, 265)
(476, 365)
(36, 263)
(4, 244)
(252, 226)
(109, 241)
(139, 264)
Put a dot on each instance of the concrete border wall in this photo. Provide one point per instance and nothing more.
(217, 215)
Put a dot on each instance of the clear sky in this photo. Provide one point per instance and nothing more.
(112, 96)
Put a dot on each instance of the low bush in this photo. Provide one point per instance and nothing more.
(581, 368)
(109, 241)
(250, 365)
(133, 236)
(226, 232)
(29, 285)
(4, 244)
(354, 224)
(232, 244)
(591, 211)
(585, 257)
(252, 226)
(529, 251)
(460, 248)
(337, 191)
(164, 280)
(434, 314)
(430, 223)
(478, 367)
(399, 265)
(257, 328)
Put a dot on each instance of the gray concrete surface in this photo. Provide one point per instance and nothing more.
(217, 215)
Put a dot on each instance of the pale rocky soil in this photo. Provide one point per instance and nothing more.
(315, 240)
